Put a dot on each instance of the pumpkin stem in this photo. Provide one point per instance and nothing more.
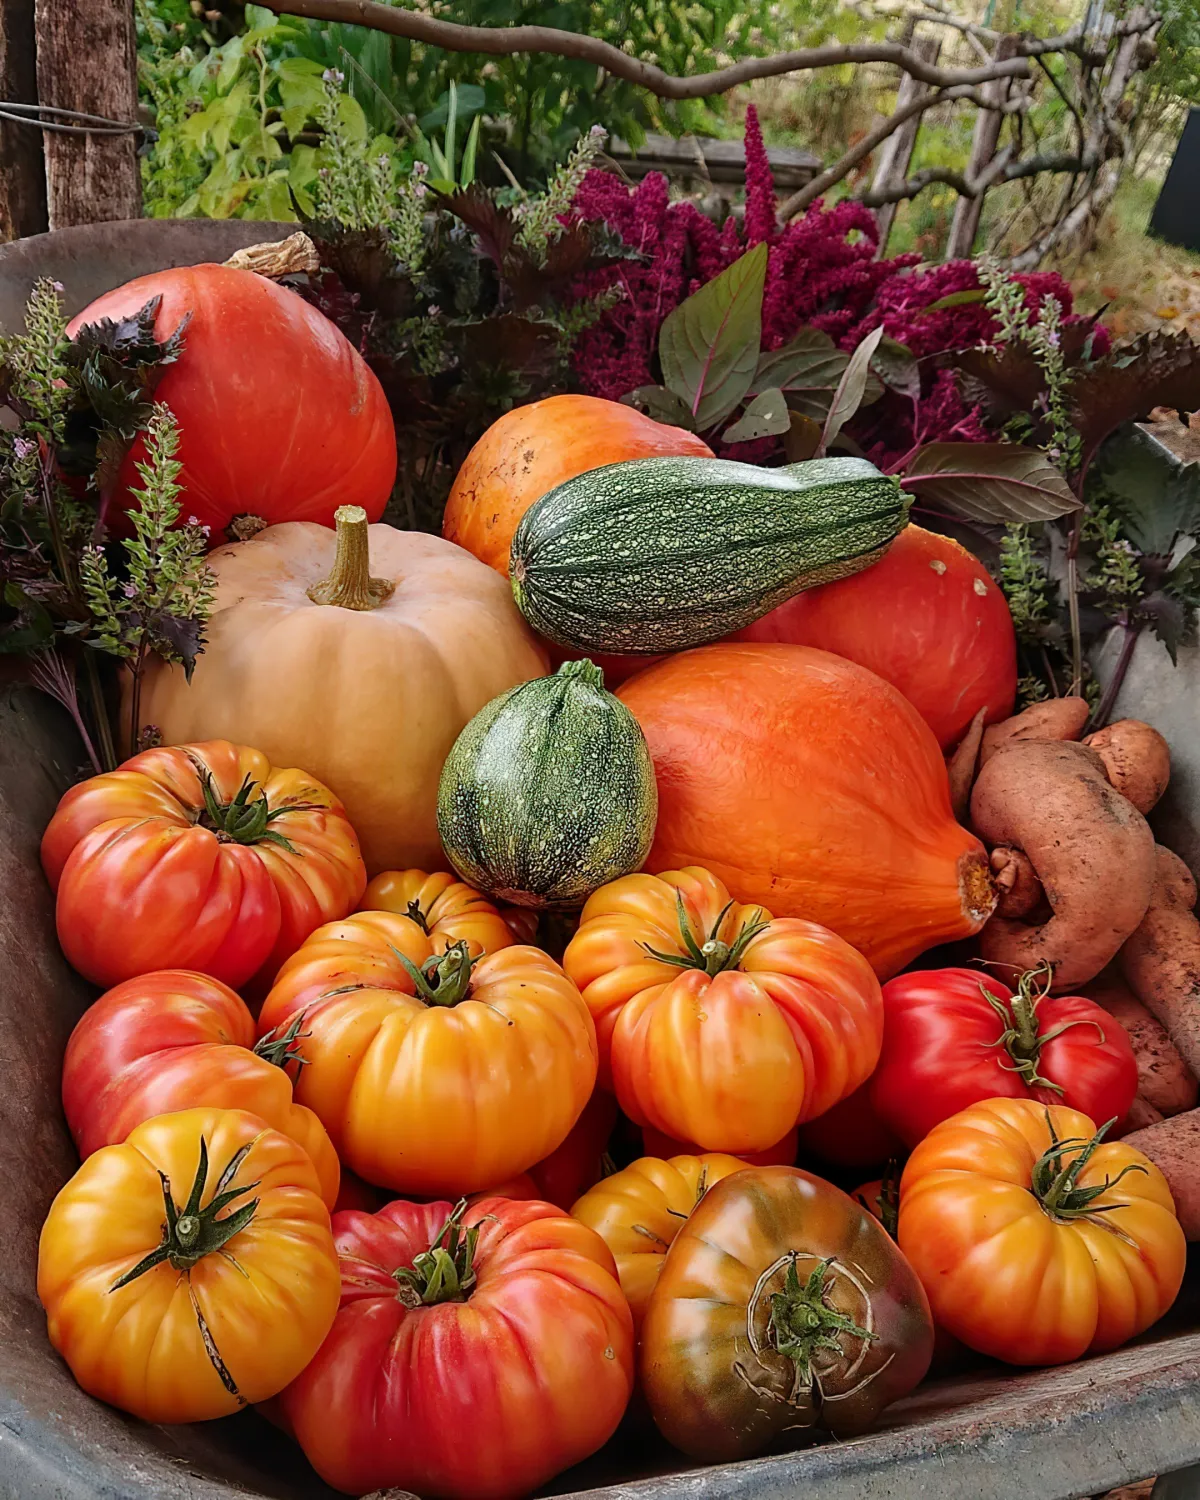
(350, 585)
(584, 670)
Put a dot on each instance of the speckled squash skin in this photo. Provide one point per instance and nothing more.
(659, 554)
(549, 792)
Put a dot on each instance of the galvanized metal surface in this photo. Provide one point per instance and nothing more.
(1043, 1435)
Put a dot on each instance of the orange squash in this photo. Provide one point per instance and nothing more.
(533, 448)
(927, 617)
(808, 784)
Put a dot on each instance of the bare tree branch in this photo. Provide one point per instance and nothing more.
(506, 40)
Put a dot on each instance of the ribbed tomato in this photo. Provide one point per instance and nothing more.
(952, 1037)
(175, 1040)
(812, 787)
(433, 1073)
(716, 1023)
(197, 857)
(928, 618)
(477, 1352)
(441, 904)
(189, 1272)
(1037, 1241)
(280, 418)
(639, 1211)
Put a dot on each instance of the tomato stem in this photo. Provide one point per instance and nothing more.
(191, 1234)
(1054, 1181)
(714, 955)
(446, 1271)
(444, 978)
(1022, 1037)
(246, 819)
(282, 1048)
(802, 1321)
(350, 585)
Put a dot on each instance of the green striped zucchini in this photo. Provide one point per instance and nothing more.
(549, 792)
(658, 554)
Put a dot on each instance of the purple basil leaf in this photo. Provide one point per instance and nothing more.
(709, 344)
(994, 482)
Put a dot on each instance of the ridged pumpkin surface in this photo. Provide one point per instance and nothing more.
(927, 618)
(533, 448)
(807, 783)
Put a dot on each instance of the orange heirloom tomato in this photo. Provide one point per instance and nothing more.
(197, 857)
(478, 1351)
(639, 1211)
(446, 908)
(191, 1270)
(176, 1040)
(1037, 1240)
(716, 1023)
(433, 1072)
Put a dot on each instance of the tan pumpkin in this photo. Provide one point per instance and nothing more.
(363, 680)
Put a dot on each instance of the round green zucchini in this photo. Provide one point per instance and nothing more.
(549, 792)
(659, 554)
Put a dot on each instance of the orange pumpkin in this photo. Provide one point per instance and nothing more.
(716, 1023)
(809, 785)
(531, 449)
(444, 907)
(433, 1072)
(927, 617)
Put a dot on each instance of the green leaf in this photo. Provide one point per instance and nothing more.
(661, 404)
(766, 415)
(470, 100)
(851, 388)
(1156, 496)
(231, 63)
(466, 174)
(955, 299)
(709, 345)
(299, 69)
(807, 370)
(992, 482)
(451, 127)
(351, 118)
(896, 365)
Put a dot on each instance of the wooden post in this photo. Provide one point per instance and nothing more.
(22, 175)
(965, 224)
(896, 152)
(87, 60)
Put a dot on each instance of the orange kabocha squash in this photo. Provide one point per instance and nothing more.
(365, 681)
(927, 618)
(806, 783)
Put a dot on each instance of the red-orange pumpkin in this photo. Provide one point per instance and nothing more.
(279, 415)
(927, 618)
(807, 783)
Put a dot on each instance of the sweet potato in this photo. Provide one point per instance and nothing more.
(1164, 1080)
(1092, 851)
(961, 766)
(1141, 1114)
(1136, 759)
(1055, 719)
(1160, 962)
(1174, 1148)
(1018, 889)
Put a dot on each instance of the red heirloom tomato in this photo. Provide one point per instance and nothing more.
(176, 1040)
(638, 1213)
(478, 1351)
(197, 857)
(717, 1024)
(433, 1072)
(280, 418)
(189, 1271)
(783, 1311)
(1037, 1241)
(952, 1037)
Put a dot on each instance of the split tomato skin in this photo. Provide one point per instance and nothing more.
(1011, 1277)
(481, 1399)
(943, 1050)
(261, 1304)
(718, 1385)
(145, 879)
(176, 1040)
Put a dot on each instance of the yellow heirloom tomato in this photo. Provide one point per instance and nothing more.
(190, 1271)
